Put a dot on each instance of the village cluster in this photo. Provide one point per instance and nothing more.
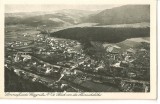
(62, 65)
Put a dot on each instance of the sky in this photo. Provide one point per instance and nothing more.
(12, 8)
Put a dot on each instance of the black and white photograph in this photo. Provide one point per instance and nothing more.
(66, 48)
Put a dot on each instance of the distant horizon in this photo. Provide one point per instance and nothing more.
(20, 8)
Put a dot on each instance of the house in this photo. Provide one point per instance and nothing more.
(26, 57)
(16, 59)
(48, 70)
(34, 63)
(117, 64)
(99, 67)
(77, 72)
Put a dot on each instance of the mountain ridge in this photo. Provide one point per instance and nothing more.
(122, 15)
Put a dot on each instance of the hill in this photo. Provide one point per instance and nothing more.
(105, 34)
(55, 19)
(127, 14)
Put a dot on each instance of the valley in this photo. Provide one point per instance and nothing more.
(78, 50)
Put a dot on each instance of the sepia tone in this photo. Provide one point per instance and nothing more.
(77, 50)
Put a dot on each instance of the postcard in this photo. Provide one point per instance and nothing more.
(78, 49)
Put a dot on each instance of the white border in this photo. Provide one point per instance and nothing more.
(151, 95)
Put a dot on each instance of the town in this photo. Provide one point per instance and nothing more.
(63, 65)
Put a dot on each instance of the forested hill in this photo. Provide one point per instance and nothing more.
(106, 34)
